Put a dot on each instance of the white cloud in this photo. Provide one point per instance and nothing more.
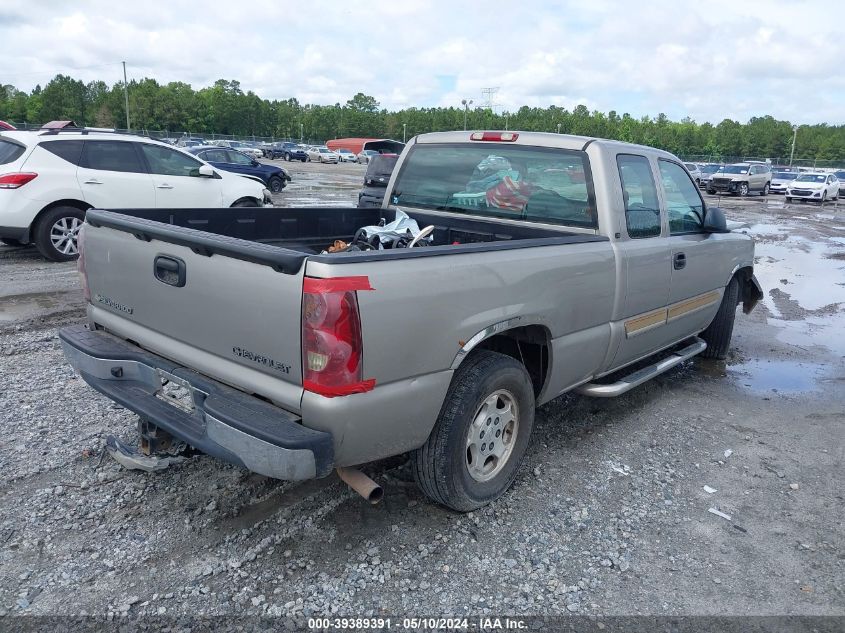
(707, 60)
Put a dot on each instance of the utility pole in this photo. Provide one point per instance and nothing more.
(301, 133)
(466, 105)
(126, 96)
(404, 131)
(558, 128)
(794, 136)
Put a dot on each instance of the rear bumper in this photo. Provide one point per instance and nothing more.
(225, 423)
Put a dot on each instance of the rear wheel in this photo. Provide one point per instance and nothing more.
(711, 192)
(276, 184)
(765, 191)
(57, 231)
(475, 449)
(718, 333)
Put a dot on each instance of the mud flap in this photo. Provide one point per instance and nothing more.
(752, 293)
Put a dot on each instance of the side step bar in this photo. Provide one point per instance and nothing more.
(598, 390)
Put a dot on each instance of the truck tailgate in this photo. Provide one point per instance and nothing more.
(235, 320)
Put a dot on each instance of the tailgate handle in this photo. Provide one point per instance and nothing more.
(169, 270)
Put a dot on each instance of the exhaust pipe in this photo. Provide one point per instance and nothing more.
(361, 484)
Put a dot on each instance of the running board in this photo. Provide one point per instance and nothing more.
(637, 378)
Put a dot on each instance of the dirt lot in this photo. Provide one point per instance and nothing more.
(608, 516)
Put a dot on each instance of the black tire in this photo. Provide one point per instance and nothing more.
(276, 184)
(440, 466)
(824, 197)
(712, 192)
(287, 156)
(246, 202)
(765, 191)
(743, 189)
(718, 333)
(302, 160)
(46, 230)
(9, 241)
(787, 198)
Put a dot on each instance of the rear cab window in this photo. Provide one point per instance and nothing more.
(10, 151)
(534, 184)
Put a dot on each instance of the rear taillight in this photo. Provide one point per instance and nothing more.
(80, 263)
(16, 180)
(494, 136)
(332, 347)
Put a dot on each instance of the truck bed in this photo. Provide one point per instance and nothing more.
(284, 238)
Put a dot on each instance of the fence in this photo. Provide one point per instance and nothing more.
(810, 163)
(176, 134)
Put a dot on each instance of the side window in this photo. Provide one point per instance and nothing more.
(163, 160)
(71, 151)
(238, 159)
(642, 210)
(683, 202)
(10, 151)
(215, 156)
(111, 156)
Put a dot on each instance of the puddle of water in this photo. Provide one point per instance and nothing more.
(17, 307)
(826, 331)
(781, 376)
(812, 279)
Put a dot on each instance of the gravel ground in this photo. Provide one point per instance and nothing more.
(609, 515)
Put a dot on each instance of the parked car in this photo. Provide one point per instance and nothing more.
(780, 180)
(322, 154)
(707, 172)
(346, 156)
(365, 155)
(246, 148)
(273, 177)
(695, 172)
(187, 141)
(840, 175)
(6, 126)
(378, 174)
(48, 180)
(292, 361)
(817, 186)
(290, 151)
(741, 179)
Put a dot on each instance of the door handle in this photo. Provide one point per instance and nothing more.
(93, 181)
(164, 185)
(679, 261)
(169, 270)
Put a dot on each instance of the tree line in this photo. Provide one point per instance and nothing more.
(224, 108)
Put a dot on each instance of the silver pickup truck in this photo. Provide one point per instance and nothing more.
(554, 263)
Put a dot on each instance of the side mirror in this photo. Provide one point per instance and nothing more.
(205, 171)
(714, 221)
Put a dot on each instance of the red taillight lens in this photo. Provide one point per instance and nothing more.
(494, 136)
(332, 347)
(80, 264)
(15, 181)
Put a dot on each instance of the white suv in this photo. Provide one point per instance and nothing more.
(49, 178)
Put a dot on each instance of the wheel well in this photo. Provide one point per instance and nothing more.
(749, 294)
(82, 206)
(530, 345)
(246, 199)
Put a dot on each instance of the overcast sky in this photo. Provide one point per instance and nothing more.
(708, 60)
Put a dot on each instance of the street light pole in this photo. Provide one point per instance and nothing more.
(466, 105)
(301, 134)
(794, 136)
(404, 131)
(126, 96)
